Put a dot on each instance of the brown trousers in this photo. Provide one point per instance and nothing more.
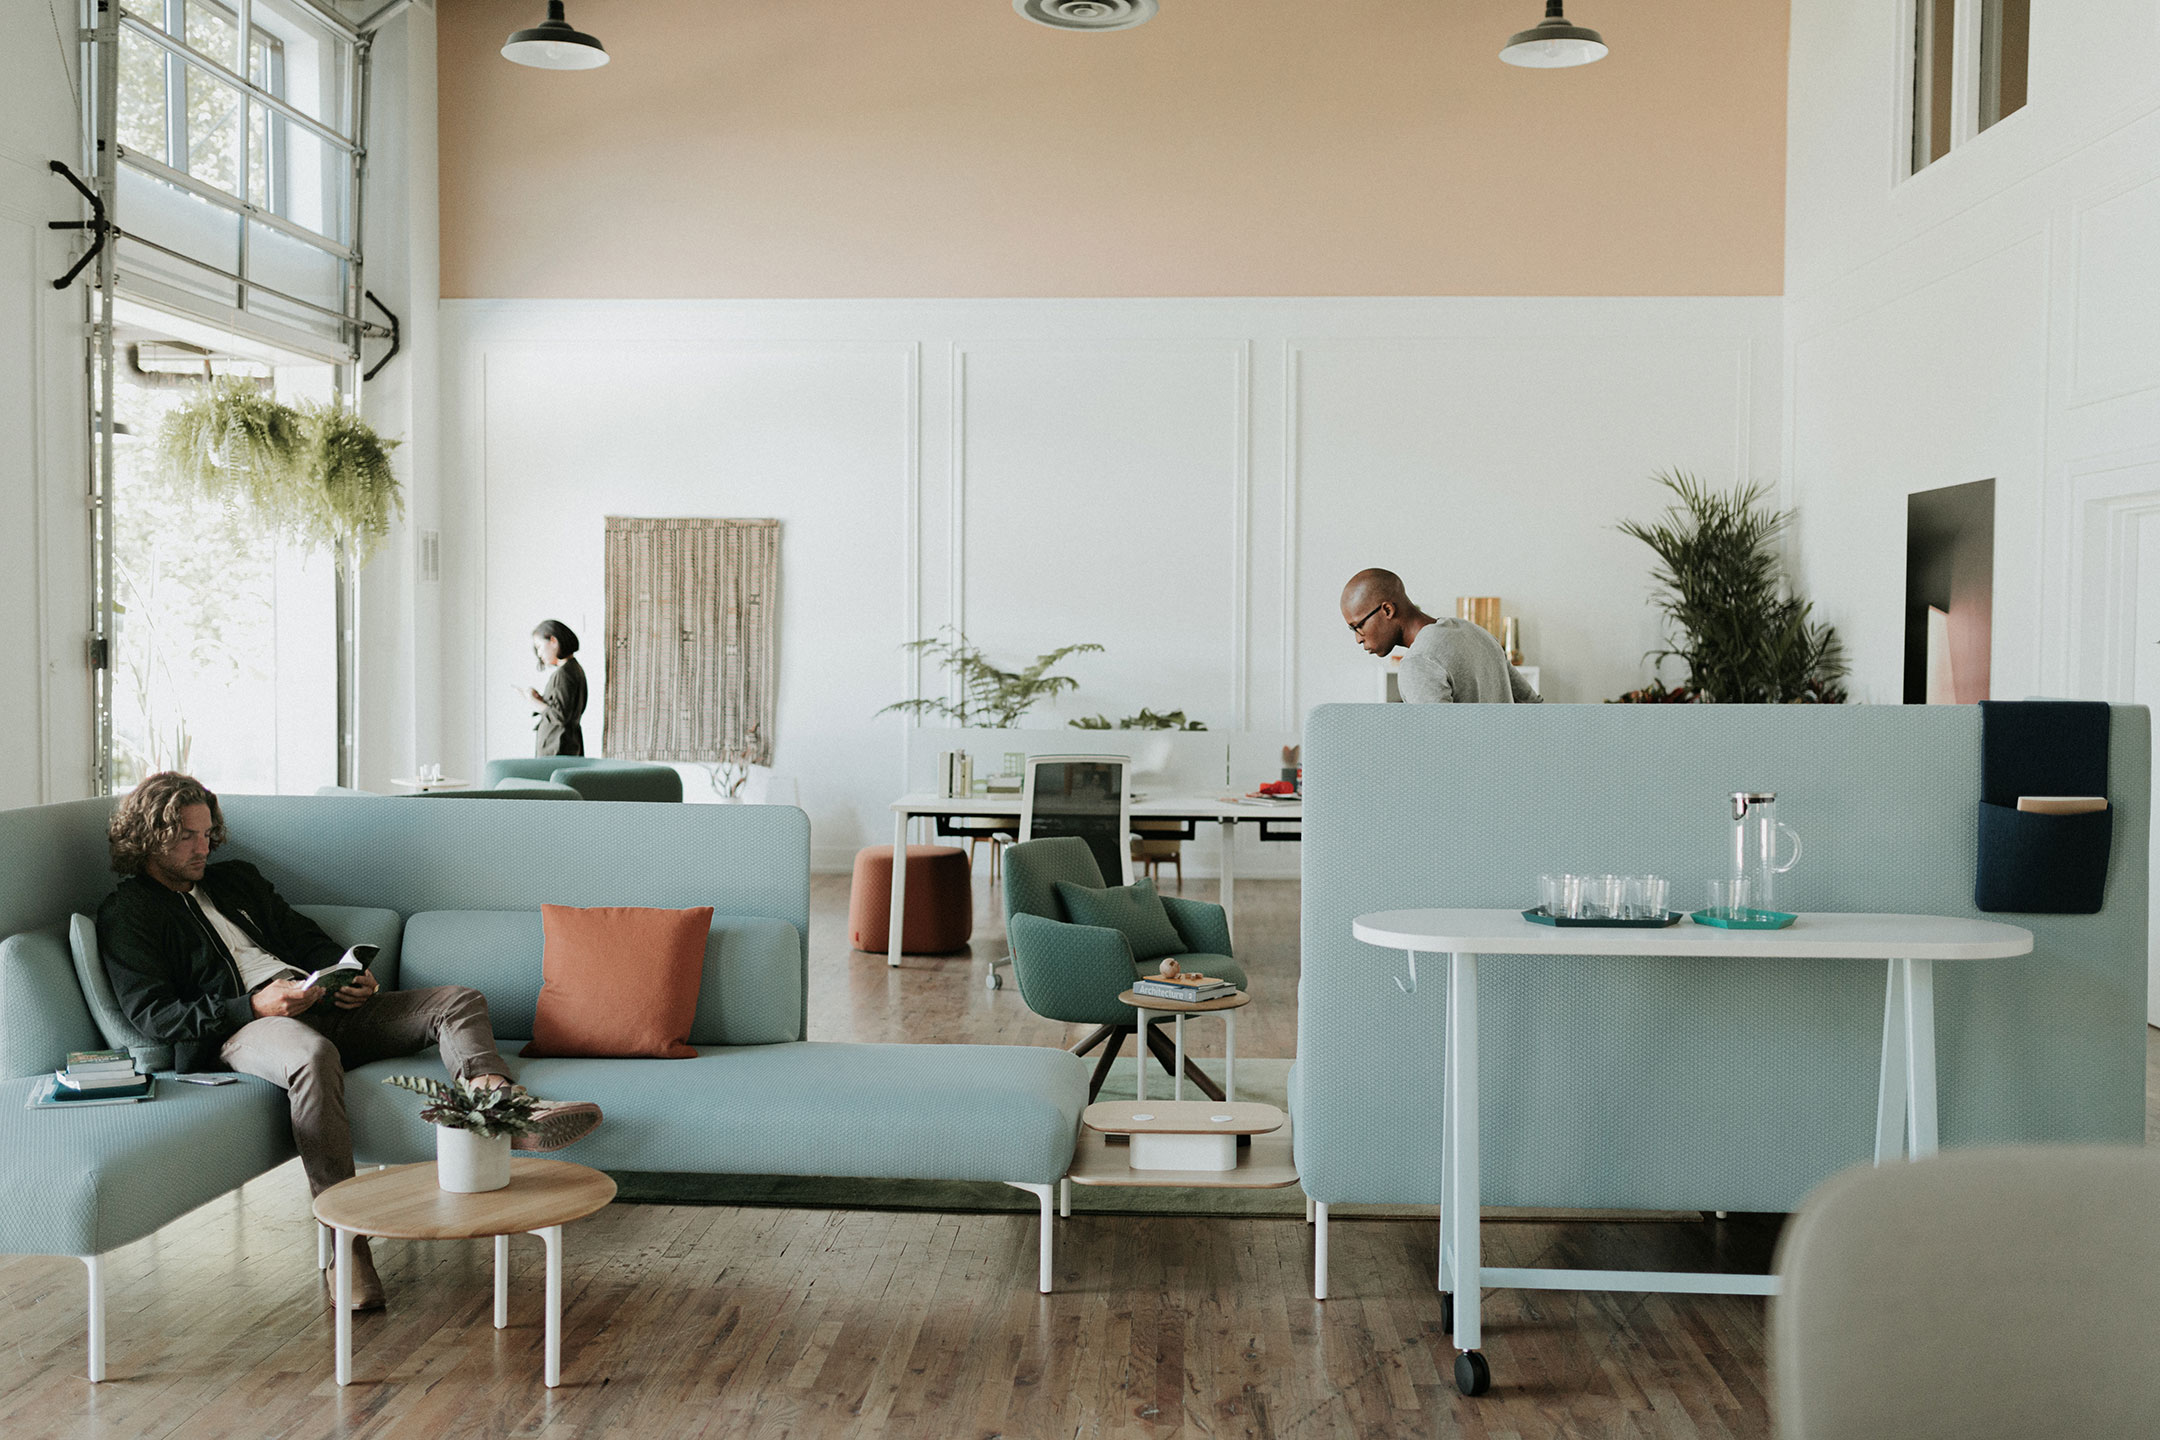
(308, 1054)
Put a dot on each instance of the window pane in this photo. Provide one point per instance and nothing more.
(2005, 32)
(1933, 57)
(214, 30)
(213, 131)
(141, 114)
(301, 176)
(308, 62)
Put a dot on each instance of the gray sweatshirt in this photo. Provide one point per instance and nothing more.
(1454, 660)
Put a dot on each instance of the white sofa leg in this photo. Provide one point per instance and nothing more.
(1046, 1196)
(96, 1266)
(1319, 1250)
(322, 1246)
(1308, 1209)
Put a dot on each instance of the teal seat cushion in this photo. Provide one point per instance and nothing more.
(1134, 911)
(81, 1182)
(750, 992)
(899, 1112)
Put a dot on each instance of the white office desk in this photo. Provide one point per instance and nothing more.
(1905, 1106)
(1228, 814)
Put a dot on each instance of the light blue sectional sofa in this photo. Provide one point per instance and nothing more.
(452, 891)
(1670, 1083)
(593, 776)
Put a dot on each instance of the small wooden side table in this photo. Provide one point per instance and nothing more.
(1226, 1006)
(1104, 1156)
(404, 1202)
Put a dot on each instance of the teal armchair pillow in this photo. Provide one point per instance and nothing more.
(1134, 911)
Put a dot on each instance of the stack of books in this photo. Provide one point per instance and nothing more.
(1192, 989)
(98, 1077)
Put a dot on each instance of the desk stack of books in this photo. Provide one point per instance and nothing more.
(1192, 989)
(92, 1076)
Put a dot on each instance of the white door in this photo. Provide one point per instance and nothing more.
(2145, 682)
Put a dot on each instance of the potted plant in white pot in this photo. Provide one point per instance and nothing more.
(474, 1126)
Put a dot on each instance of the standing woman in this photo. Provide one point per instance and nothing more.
(559, 703)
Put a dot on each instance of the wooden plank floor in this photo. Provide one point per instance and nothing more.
(689, 1321)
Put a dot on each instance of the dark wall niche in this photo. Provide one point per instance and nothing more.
(1949, 593)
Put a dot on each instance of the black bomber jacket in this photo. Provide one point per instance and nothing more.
(171, 982)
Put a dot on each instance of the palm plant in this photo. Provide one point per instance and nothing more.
(987, 695)
(1743, 639)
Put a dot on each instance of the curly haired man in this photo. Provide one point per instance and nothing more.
(209, 959)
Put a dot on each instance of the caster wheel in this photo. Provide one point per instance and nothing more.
(1472, 1375)
(993, 981)
(1447, 1314)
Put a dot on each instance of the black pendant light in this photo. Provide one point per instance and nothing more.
(553, 45)
(1554, 43)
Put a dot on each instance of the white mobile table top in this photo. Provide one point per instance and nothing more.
(1817, 936)
(1905, 1123)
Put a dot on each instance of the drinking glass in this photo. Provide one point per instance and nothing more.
(1730, 899)
(1650, 897)
(1609, 894)
(1548, 893)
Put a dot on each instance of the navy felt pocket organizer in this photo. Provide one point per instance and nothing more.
(2042, 864)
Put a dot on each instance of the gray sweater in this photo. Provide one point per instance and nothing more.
(1454, 660)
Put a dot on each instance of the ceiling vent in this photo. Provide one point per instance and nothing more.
(1087, 14)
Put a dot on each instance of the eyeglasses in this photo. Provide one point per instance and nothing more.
(1358, 627)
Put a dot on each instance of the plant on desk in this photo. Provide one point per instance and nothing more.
(989, 697)
(1146, 720)
(474, 1126)
(1743, 638)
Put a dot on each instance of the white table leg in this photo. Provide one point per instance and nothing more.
(898, 915)
(1229, 1064)
(552, 1238)
(1920, 1054)
(1319, 1249)
(1890, 1090)
(343, 1301)
(96, 1267)
(322, 1246)
(1140, 1056)
(502, 1281)
(1447, 1132)
(1464, 1195)
(1229, 877)
(1177, 1077)
(1065, 1198)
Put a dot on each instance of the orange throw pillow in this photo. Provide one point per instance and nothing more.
(619, 982)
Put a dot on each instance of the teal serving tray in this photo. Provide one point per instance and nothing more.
(1757, 920)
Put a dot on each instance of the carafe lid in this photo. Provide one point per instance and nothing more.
(1742, 800)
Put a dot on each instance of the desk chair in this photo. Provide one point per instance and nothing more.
(1088, 796)
(1157, 843)
(1075, 973)
(1991, 1294)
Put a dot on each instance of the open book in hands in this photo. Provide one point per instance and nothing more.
(349, 967)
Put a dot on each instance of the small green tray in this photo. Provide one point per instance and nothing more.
(1757, 920)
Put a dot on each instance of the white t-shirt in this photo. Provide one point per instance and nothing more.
(256, 964)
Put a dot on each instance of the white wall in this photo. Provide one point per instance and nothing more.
(1187, 482)
(45, 698)
(1997, 315)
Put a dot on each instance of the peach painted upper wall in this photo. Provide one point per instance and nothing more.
(941, 148)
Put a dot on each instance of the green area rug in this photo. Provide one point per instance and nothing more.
(1266, 1081)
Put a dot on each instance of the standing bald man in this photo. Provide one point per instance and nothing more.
(1448, 660)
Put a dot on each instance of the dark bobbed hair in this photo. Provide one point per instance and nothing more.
(148, 820)
(564, 637)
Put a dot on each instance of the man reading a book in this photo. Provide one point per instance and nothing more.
(211, 960)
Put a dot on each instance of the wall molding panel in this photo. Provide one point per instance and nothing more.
(1177, 480)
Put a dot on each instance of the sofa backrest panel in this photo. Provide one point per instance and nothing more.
(746, 861)
(53, 863)
(750, 992)
(42, 1011)
(1686, 1084)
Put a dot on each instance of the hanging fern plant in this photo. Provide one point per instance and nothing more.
(319, 473)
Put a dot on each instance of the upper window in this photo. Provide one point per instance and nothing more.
(1962, 83)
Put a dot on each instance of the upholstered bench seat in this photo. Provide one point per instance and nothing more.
(897, 1112)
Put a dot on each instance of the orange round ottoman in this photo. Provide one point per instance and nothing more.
(940, 900)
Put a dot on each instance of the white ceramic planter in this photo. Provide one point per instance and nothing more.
(466, 1164)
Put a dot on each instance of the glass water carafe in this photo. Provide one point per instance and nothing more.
(1756, 840)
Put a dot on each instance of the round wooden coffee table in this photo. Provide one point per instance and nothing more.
(404, 1202)
(1226, 1006)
